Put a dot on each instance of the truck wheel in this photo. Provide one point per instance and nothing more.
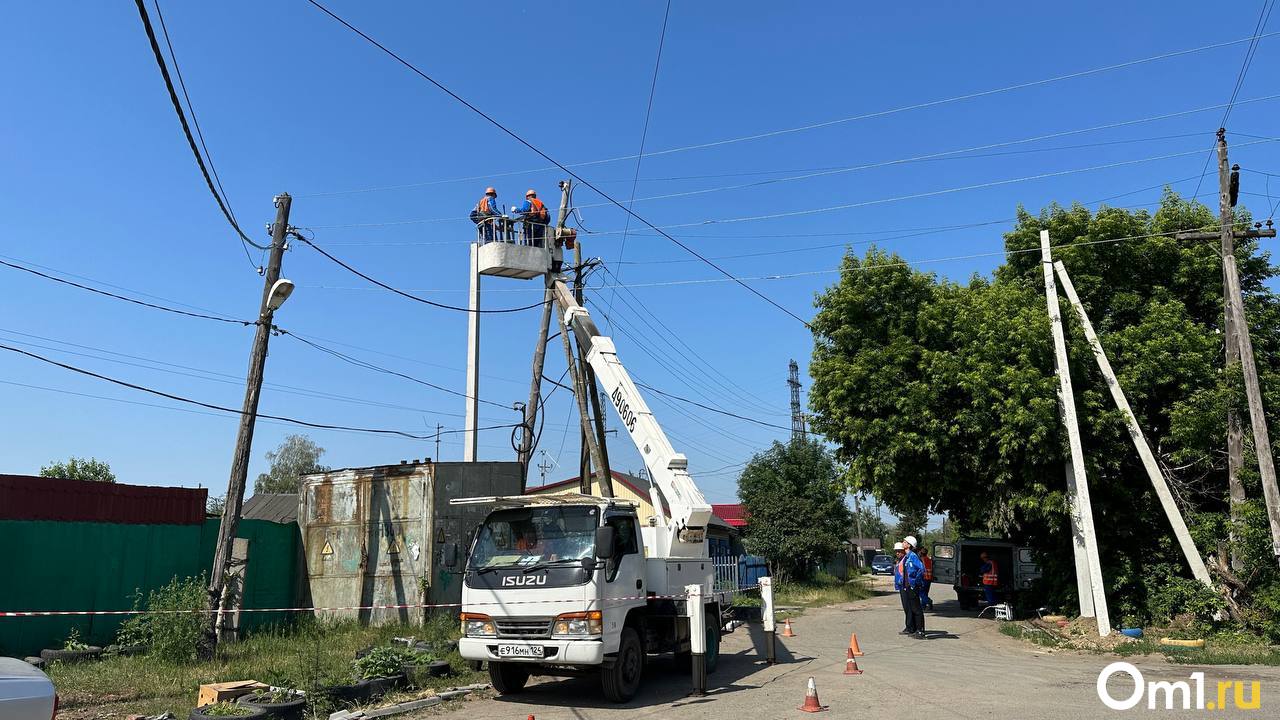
(508, 678)
(621, 681)
(712, 657)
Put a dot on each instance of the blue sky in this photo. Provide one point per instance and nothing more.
(96, 180)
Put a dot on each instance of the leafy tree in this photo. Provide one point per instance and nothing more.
(871, 525)
(795, 507)
(911, 522)
(214, 504)
(296, 456)
(76, 468)
(943, 394)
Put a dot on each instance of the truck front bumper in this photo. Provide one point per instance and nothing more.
(554, 652)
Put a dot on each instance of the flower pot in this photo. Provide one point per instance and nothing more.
(290, 709)
(199, 714)
(93, 653)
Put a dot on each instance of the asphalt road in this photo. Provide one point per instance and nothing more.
(966, 669)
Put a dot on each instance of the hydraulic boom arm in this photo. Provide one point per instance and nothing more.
(668, 469)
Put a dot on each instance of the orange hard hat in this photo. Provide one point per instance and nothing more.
(531, 192)
(490, 191)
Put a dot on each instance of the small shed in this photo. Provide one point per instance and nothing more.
(386, 535)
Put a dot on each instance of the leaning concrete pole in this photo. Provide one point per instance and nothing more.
(1081, 508)
(1194, 560)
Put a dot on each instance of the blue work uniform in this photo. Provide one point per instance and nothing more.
(912, 571)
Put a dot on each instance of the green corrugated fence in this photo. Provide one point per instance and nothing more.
(50, 565)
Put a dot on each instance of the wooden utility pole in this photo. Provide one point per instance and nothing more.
(593, 392)
(580, 394)
(1081, 507)
(535, 389)
(1189, 550)
(244, 436)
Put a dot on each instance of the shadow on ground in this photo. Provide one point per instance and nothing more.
(665, 682)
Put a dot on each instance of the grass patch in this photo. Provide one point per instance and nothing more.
(1227, 650)
(820, 593)
(1032, 635)
(305, 656)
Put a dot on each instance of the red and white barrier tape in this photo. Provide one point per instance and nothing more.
(408, 606)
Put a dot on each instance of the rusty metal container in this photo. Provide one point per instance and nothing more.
(387, 535)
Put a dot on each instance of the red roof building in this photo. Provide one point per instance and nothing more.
(733, 514)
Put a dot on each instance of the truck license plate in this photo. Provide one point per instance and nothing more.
(524, 651)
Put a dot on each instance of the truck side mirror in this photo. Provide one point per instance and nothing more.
(605, 537)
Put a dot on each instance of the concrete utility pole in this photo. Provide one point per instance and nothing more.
(273, 293)
(1088, 568)
(470, 434)
(1194, 560)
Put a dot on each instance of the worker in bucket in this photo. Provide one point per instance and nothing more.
(989, 571)
(535, 218)
(487, 214)
(912, 581)
(925, 601)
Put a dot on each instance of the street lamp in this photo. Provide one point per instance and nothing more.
(280, 291)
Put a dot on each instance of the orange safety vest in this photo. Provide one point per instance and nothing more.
(928, 568)
(483, 206)
(993, 576)
(538, 211)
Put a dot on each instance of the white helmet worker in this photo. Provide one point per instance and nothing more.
(910, 540)
(898, 546)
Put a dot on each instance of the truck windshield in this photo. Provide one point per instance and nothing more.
(528, 536)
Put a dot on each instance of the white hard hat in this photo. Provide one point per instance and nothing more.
(898, 546)
(910, 540)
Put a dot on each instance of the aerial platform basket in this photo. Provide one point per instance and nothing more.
(506, 259)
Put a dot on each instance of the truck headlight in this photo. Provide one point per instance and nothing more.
(478, 625)
(578, 624)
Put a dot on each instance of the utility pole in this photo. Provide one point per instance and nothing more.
(273, 293)
(470, 431)
(593, 391)
(1194, 560)
(797, 413)
(1088, 568)
(1233, 298)
(525, 456)
(580, 393)
(439, 429)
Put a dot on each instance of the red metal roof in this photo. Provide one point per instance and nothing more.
(733, 514)
(27, 497)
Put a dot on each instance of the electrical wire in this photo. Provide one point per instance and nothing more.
(404, 294)
(378, 368)
(186, 129)
(552, 160)
(117, 296)
(195, 120)
(644, 135)
(802, 128)
(221, 408)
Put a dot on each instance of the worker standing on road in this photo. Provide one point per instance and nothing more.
(899, 584)
(913, 581)
(488, 214)
(989, 571)
(925, 601)
(535, 216)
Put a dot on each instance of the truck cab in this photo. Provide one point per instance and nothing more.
(956, 564)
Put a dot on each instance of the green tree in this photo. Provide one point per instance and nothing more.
(911, 522)
(871, 525)
(943, 394)
(795, 507)
(76, 468)
(296, 456)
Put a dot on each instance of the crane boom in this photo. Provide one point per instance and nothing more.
(668, 469)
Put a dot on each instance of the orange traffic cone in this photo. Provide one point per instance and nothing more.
(851, 665)
(786, 629)
(811, 699)
(854, 650)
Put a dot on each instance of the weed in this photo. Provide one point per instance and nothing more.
(227, 709)
(383, 662)
(73, 642)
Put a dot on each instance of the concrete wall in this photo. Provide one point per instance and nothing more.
(387, 535)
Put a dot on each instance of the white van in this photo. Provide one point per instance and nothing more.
(956, 564)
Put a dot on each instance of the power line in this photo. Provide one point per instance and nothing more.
(644, 134)
(552, 160)
(186, 129)
(220, 408)
(404, 294)
(802, 128)
(378, 368)
(708, 408)
(117, 296)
